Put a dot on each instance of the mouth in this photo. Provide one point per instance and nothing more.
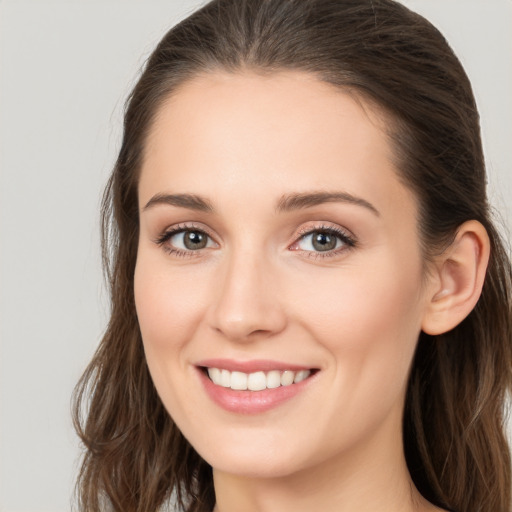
(256, 386)
(256, 381)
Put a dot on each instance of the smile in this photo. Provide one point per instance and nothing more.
(253, 387)
(256, 381)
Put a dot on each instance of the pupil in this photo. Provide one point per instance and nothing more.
(194, 240)
(324, 241)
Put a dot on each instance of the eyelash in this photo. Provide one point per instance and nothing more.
(181, 228)
(348, 241)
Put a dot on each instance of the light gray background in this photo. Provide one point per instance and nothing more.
(65, 70)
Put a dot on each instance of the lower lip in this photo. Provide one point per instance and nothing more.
(251, 402)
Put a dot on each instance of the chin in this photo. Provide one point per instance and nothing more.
(254, 460)
(260, 467)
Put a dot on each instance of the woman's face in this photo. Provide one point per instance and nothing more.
(277, 243)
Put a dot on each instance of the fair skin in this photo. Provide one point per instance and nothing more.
(334, 284)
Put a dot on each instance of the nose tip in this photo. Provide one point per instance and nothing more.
(247, 305)
(245, 328)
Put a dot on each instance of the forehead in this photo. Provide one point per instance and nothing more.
(249, 133)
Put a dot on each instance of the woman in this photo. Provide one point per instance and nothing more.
(310, 303)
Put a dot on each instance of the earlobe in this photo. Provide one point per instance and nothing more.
(457, 285)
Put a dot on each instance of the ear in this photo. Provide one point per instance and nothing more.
(458, 279)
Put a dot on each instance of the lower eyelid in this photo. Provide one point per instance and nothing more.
(315, 255)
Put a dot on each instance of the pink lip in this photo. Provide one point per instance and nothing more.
(255, 365)
(251, 402)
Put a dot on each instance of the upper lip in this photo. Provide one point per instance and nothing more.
(255, 365)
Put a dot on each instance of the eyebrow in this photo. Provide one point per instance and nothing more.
(286, 203)
(299, 201)
(189, 201)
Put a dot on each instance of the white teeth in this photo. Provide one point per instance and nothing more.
(225, 378)
(238, 381)
(273, 379)
(215, 375)
(287, 378)
(300, 376)
(256, 381)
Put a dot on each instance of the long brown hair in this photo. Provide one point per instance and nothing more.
(135, 458)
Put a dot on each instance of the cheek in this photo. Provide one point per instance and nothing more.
(167, 303)
(358, 300)
(368, 319)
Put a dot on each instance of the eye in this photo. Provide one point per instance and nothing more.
(323, 240)
(183, 240)
(190, 240)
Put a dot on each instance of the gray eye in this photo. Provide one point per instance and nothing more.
(194, 240)
(323, 241)
(320, 241)
(190, 240)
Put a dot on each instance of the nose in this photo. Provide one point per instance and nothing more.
(247, 305)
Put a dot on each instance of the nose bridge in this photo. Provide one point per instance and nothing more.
(246, 303)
